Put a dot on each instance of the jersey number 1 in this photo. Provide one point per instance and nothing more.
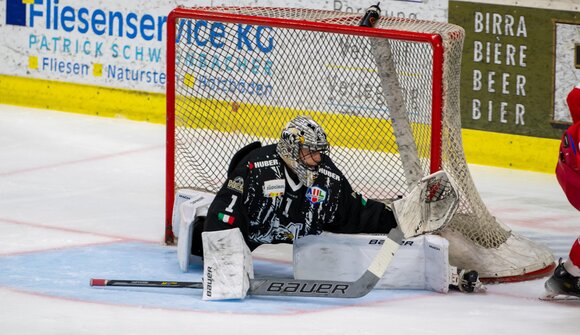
(230, 208)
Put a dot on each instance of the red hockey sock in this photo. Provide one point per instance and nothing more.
(572, 265)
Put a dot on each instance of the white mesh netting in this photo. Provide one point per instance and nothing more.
(242, 73)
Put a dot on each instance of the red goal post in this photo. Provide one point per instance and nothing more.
(388, 98)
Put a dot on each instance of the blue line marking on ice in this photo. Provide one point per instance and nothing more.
(67, 273)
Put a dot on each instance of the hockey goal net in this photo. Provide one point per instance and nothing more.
(388, 98)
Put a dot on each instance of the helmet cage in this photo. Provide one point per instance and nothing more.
(302, 133)
(322, 149)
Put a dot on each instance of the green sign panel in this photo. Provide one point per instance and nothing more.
(510, 65)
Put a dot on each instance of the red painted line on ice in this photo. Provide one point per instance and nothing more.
(84, 160)
(545, 223)
(115, 239)
(288, 312)
(73, 231)
(496, 211)
(553, 223)
(59, 248)
(570, 303)
(68, 230)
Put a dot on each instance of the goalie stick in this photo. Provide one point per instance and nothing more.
(435, 187)
(291, 287)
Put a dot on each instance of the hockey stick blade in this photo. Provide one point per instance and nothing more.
(291, 287)
(560, 298)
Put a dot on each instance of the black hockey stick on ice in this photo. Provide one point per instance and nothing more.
(436, 187)
(145, 283)
(291, 287)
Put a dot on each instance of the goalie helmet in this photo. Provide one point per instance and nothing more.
(302, 133)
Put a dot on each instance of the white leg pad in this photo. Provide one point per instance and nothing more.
(421, 263)
(194, 198)
(227, 265)
(187, 206)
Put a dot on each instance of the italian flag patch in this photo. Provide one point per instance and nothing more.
(226, 218)
(363, 200)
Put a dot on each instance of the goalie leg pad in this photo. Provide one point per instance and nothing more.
(189, 206)
(429, 206)
(421, 263)
(195, 199)
(227, 265)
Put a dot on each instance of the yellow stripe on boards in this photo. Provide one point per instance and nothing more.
(83, 99)
(485, 148)
(347, 131)
(511, 151)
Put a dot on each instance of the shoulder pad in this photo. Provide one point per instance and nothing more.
(241, 154)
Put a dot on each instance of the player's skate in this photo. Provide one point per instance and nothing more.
(429, 206)
(562, 285)
(466, 281)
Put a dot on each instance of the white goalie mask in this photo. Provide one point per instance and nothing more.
(302, 133)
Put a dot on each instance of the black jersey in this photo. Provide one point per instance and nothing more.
(267, 202)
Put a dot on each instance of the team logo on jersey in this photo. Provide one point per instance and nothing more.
(237, 184)
(316, 194)
(274, 188)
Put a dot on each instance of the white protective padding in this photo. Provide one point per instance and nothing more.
(429, 206)
(187, 206)
(421, 262)
(227, 265)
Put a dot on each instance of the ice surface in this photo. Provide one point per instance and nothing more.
(83, 197)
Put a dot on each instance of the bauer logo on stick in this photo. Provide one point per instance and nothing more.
(314, 288)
